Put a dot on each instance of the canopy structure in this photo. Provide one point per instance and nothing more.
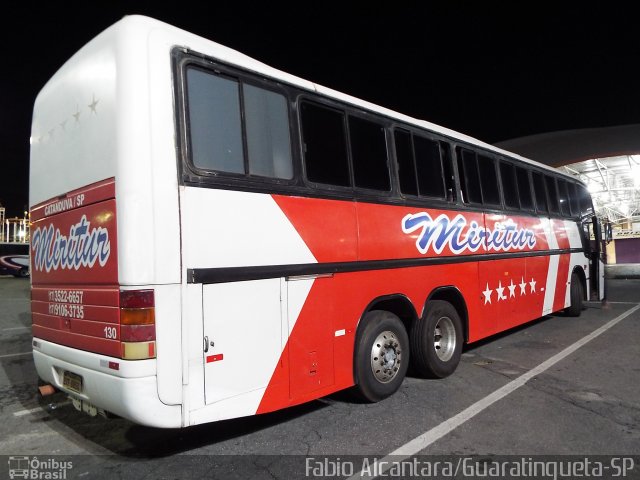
(606, 159)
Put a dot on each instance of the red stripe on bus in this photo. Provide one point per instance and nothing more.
(82, 342)
(80, 312)
(108, 297)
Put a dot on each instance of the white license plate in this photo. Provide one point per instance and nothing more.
(72, 381)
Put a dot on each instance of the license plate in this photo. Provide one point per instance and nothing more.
(72, 381)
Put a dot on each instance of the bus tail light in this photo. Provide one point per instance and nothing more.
(137, 324)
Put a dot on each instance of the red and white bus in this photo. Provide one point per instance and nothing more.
(213, 238)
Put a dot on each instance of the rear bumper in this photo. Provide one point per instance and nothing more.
(130, 392)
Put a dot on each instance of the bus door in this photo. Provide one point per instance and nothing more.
(242, 326)
(596, 260)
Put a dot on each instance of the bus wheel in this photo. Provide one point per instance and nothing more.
(576, 296)
(381, 356)
(436, 340)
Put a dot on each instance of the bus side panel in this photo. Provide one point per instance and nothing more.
(347, 295)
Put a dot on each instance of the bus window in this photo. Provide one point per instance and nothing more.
(369, 154)
(524, 188)
(563, 197)
(573, 200)
(538, 188)
(449, 177)
(429, 167)
(488, 180)
(267, 126)
(325, 145)
(404, 158)
(469, 178)
(552, 194)
(215, 128)
(509, 185)
(586, 207)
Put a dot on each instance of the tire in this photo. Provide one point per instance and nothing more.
(23, 273)
(436, 341)
(576, 297)
(381, 356)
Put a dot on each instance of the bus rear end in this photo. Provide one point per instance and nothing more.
(100, 283)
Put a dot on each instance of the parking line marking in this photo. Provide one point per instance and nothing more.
(14, 328)
(22, 413)
(15, 354)
(598, 302)
(27, 412)
(423, 441)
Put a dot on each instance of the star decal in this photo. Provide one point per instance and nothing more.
(77, 115)
(500, 291)
(487, 295)
(523, 286)
(533, 285)
(92, 105)
(512, 289)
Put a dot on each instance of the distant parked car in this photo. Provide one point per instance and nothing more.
(16, 265)
(14, 259)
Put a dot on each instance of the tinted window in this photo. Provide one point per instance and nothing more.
(449, 176)
(573, 199)
(215, 129)
(509, 185)
(268, 141)
(469, 179)
(552, 194)
(404, 157)
(325, 145)
(429, 167)
(524, 188)
(369, 154)
(538, 188)
(489, 180)
(586, 207)
(563, 198)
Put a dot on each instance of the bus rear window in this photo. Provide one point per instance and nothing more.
(215, 130)
(222, 109)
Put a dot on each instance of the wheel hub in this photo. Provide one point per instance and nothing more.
(444, 339)
(386, 356)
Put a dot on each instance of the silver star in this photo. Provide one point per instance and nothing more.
(512, 289)
(92, 105)
(523, 286)
(77, 115)
(533, 285)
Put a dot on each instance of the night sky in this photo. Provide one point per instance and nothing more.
(492, 70)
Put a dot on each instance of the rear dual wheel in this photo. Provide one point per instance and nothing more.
(436, 340)
(381, 356)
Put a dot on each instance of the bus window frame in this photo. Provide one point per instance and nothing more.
(438, 139)
(188, 171)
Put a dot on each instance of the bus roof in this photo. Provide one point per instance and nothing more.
(145, 26)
